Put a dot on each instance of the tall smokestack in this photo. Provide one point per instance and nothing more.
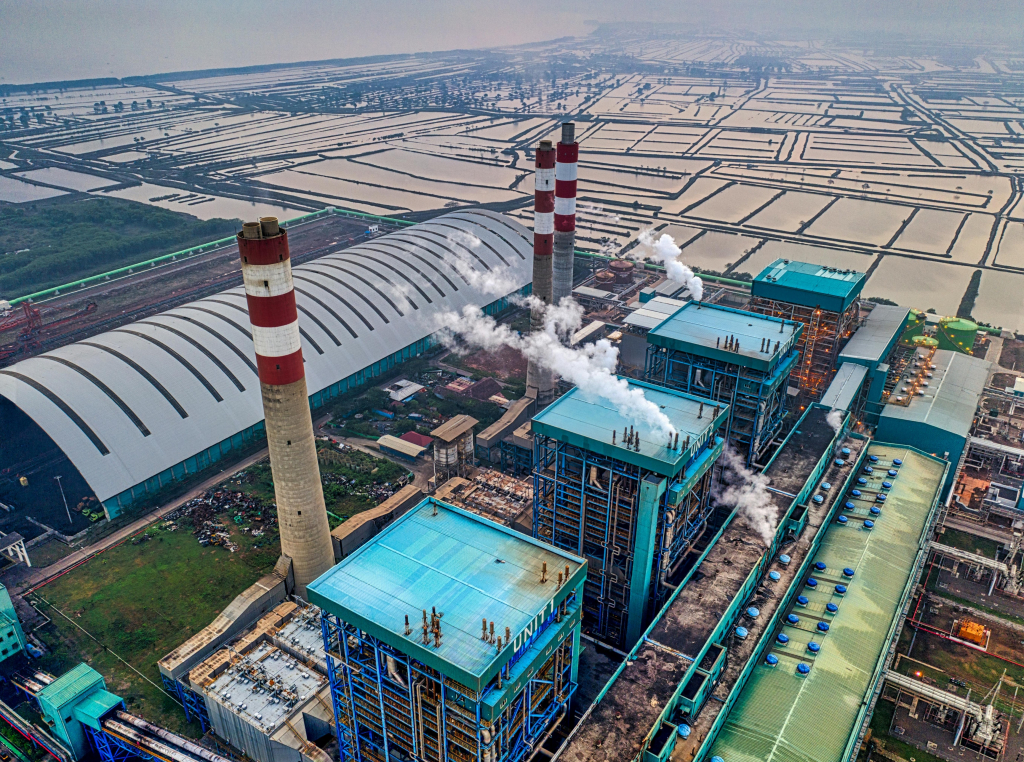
(540, 383)
(565, 212)
(301, 513)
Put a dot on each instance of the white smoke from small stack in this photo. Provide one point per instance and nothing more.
(665, 251)
(747, 491)
(591, 368)
(461, 259)
(835, 420)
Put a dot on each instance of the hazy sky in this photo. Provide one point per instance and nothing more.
(45, 40)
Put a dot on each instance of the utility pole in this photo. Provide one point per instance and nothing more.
(57, 479)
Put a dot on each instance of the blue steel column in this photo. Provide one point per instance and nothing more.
(651, 490)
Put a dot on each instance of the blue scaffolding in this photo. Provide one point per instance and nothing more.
(632, 511)
(192, 703)
(515, 460)
(733, 357)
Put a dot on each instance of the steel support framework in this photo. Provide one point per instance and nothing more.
(824, 335)
(113, 749)
(193, 703)
(756, 400)
(426, 716)
(515, 460)
(588, 504)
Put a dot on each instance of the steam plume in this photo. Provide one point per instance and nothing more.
(591, 368)
(461, 259)
(835, 419)
(665, 251)
(747, 491)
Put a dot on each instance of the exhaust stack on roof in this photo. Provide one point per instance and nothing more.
(302, 515)
(565, 212)
(540, 382)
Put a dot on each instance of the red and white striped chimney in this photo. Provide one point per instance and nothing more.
(540, 382)
(270, 293)
(565, 213)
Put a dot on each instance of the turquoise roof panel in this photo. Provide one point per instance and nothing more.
(808, 285)
(72, 684)
(96, 707)
(589, 422)
(706, 330)
(438, 557)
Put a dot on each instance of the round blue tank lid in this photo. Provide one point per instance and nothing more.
(897, 462)
(802, 600)
(818, 499)
(717, 759)
(868, 523)
(855, 492)
(784, 559)
(843, 519)
(831, 608)
(783, 638)
(793, 619)
(893, 472)
(880, 497)
(742, 632)
(873, 458)
(826, 485)
(840, 462)
(813, 647)
(886, 485)
(875, 510)
(869, 470)
(812, 582)
(803, 669)
(771, 660)
(774, 576)
(861, 480)
(753, 612)
(823, 626)
(684, 731)
(847, 572)
(820, 565)
(841, 589)
(848, 505)
(845, 451)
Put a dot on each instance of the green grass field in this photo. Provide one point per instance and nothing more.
(128, 607)
(969, 542)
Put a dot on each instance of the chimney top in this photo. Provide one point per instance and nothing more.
(568, 133)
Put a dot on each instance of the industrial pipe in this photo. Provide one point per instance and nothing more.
(146, 743)
(192, 748)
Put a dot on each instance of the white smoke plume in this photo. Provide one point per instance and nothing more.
(487, 282)
(665, 251)
(748, 491)
(591, 368)
(600, 213)
(835, 419)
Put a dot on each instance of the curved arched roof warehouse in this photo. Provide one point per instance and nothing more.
(138, 406)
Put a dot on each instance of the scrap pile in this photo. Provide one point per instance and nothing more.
(250, 514)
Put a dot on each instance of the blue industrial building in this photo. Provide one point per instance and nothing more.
(629, 498)
(731, 356)
(449, 637)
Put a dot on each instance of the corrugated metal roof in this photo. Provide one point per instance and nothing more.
(845, 386)
(73, 683)
(653, 312)
(873, 341)
(403, 446)
(460, 564)
(705, 329)
(172, 385)
(784, 717)
(589, 422)
(454, 428)
(808, 284)
(92, 710)
(951, 399)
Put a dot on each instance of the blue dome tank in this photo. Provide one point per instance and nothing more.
(897, 462)
(880, 497)
(842, 519)
(893, 472)
(742, 632)
(823, 626)
(753, 612)
(861, 480)
(847, 572)
(869, 470)
(813, 647)
(886, 485)
(783, 638)
(802, 600)
(873, 458)
(811, 582)
(771, 660)
(774, 576)
(684, 730)
(868, 523)
(855, 492)
(841, 589)
(803, 669)
(826, 486)
(849, 506)
(784, 559)
(831, 608)
(793, 619)
(820, 565)
(875, 510)
(840, 462)
(845, 451)
(818, 499)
